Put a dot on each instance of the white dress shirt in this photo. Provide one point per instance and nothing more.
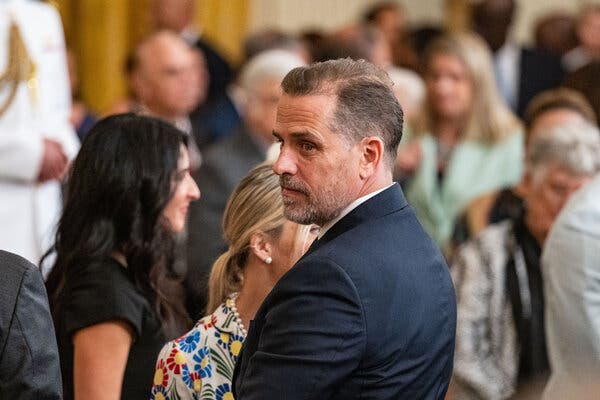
(506, 68)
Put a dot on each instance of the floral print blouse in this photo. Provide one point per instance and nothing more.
(199, 365)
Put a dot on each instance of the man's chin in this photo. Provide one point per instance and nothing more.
(297, 215)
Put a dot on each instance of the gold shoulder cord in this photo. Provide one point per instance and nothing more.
(20, 68)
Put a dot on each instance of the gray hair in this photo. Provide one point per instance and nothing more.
(366, 104)
(574, 145)
(268, 65)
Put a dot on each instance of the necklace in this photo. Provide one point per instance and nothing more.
(236, 314)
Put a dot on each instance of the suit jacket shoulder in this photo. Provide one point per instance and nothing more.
(29, 363)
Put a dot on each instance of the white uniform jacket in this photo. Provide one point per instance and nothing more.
(29, 210)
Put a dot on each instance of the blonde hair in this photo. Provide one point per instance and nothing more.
(255, 206)
(489, 120)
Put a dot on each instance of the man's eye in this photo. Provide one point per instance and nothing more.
(307, 146)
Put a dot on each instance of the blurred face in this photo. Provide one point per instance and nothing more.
(492, 20)
(589, 31)
(546, 195)
(449, 87)
(381, 53)
(291, 244)
(261, 109)
(185, 191)
(318, 168)
(174, 15)
(172, 79)
(391, 22)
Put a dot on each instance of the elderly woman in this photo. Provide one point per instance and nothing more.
(546, 110)
(500, 342)
(466, 142)
(263, 245)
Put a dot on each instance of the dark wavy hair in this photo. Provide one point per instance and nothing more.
(119, 185)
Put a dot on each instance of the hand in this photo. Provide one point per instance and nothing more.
(408, 159)
(54, 162)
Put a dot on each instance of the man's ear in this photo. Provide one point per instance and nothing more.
(372, 150)
(261, 246)
(138, 85)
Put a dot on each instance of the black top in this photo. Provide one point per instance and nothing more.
(103, 292)
(508, 205)
(529, 318)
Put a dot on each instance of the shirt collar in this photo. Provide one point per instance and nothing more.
(350, 207)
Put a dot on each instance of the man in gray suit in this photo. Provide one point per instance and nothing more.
(228, 161)
(29, 364)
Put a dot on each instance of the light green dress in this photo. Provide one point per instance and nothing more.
(474, 168)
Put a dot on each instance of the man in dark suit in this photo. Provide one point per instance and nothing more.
(369, 312)
(178, 16)
(521, 73)
(29, 364)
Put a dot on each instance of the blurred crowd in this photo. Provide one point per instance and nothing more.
(497, 137)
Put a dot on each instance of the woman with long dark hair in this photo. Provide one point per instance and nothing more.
(113, 295)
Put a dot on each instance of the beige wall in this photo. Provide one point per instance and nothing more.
(102, 32)
(296, 15)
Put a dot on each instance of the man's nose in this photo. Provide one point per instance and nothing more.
(285, 163)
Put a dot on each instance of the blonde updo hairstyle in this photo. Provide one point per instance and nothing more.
(255, 206)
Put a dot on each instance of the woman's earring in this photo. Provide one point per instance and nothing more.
(268, 260)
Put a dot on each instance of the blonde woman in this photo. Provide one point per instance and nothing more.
(263, 245)
(468, 142)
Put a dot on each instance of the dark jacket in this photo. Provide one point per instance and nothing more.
(368, 312)
(29, 363)
(223, 167)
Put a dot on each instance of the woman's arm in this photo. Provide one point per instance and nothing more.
(99, 358)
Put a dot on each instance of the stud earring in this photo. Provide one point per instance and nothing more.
(268, 260)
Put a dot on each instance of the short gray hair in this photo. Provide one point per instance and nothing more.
(268, 65)
(366, 104)
(574, 145)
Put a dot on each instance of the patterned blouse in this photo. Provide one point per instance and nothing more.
(199, 365)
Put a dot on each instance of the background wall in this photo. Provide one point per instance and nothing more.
(102, 32)
(297, 15)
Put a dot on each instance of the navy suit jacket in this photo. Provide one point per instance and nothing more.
(215, 121)
(369, 312)
(539, 71)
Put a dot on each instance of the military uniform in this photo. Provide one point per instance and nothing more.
(34, 104)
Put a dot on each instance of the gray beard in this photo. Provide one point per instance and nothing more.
(317, 209)
(311, 214)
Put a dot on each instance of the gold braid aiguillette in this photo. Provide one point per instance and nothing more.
(20, 68)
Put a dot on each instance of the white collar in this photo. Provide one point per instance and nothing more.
(350, 207)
